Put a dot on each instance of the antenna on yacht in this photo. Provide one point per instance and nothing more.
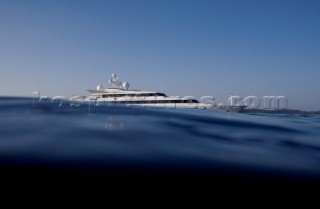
(116, 83)
(231, 99)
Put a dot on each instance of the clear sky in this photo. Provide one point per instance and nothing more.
(190, 47)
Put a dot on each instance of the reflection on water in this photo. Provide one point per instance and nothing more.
(113, 125)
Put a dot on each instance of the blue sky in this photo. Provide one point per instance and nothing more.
(198, 47)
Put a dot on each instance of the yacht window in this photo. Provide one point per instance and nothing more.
(160, 94)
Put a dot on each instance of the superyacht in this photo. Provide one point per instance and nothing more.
(118, 92)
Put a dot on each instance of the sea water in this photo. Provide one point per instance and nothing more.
(138, 139)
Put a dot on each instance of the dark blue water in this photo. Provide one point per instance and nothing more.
(149, 140)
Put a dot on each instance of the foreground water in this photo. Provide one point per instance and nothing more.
(119, 138)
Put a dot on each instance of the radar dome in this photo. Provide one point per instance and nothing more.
(100, 88)
(125, 85)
